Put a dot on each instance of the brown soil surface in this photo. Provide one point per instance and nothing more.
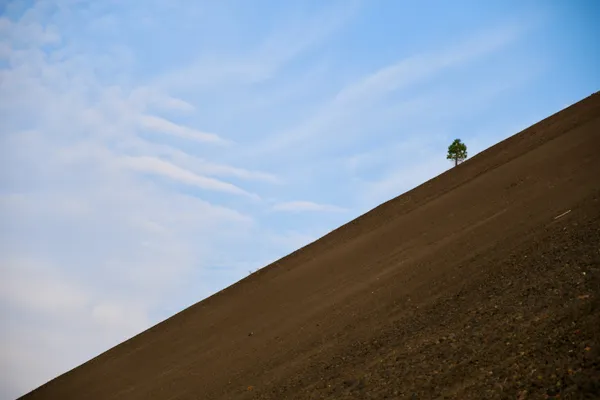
(466, 287)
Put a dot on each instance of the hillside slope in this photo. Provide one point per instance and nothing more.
(473, 285)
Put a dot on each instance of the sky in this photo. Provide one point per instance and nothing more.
(153, 153)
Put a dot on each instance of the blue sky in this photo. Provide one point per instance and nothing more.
(154, 152)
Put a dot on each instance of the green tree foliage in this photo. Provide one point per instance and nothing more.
(457, 152)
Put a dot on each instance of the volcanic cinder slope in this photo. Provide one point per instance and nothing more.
(481, 283)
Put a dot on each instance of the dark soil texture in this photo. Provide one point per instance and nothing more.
(482, 283)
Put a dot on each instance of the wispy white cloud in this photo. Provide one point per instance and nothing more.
(352, 106)
(303, 206)
(228, 170)
(148, 96)
(166, 169)
(415, 69)
(291, 37)
(199, 165)
(161, 125)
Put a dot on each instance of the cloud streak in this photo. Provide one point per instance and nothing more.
(163, 168)
(306, 206)
(291, 38)
(200, 165)
(161, 125)
(347, 108)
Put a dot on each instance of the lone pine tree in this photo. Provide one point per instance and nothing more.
(457, 151)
